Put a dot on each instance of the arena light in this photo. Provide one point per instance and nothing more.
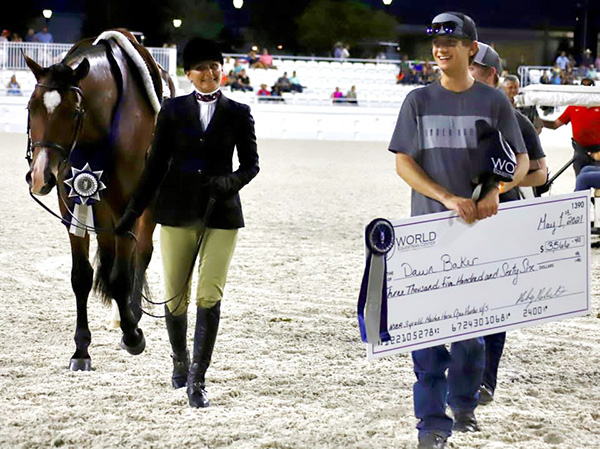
(280, 47)
(237, 4)
(387, 2)
(47, 13)
(177, 23)
(254, 48)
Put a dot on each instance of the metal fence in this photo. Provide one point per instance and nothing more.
(531, 74)
(47, 54)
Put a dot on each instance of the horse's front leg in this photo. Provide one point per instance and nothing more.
(82, 276)
(144, 231)
(121, 282)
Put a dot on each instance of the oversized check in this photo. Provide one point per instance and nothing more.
(448, 281)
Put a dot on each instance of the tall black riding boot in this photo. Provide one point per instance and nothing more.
(177, 330)
(207, 326)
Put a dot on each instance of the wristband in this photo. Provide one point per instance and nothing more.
(500, 187)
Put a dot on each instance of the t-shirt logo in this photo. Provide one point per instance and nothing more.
(442, 131)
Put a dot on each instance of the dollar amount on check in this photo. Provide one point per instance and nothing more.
(449, 281)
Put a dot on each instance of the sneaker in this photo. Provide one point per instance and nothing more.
(465, 422)
(485, 395)
(432, 440)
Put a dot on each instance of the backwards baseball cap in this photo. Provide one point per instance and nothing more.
(453, 24)
(488, 57)
(199, 49)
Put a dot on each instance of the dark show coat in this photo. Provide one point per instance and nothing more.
(183, 159)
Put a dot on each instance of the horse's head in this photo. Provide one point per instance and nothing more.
(55, 120)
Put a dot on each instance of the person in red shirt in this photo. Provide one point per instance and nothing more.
(586, 132)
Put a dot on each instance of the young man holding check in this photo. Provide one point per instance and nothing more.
(433, 135)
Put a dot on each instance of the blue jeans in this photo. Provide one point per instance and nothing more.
(459, 389)
(494, 345)
(588, 177)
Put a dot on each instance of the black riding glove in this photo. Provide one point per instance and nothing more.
(219, 186)
(126, 222)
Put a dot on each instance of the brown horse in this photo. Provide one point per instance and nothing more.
(91, 121)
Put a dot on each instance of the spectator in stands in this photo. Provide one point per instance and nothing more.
(13, 87)
(228, 79)
(562, 61)
(351, 96)
(568, 76)
(346, 51)
(44, 36)
(30, 36)
(405, 65)
(4, 36)
(337, 50)
(418, 66)
(16, 38)
(295, 85)
(413, 77)
(283, 83)
(263, 91)
(263, 94)
(265, 61)
(242, 82)
(587, 59)
(545, 78)
(251, 59)
(591, 72)
(597, 62)
(556, 77)
(337, 96)
(237, 67)
(428, 74)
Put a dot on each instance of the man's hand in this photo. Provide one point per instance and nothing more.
(488, 206)
(465, 207)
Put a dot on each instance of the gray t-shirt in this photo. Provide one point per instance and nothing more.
(436, 127)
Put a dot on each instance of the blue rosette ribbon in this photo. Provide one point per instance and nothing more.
(372, 299)
(85, 185)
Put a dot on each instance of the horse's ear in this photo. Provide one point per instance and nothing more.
(37, 69)
(82, 70)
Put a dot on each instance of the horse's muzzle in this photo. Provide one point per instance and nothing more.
(40, 188)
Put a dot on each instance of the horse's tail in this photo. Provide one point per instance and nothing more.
(102, 280)
(104, 265)
(145, 64)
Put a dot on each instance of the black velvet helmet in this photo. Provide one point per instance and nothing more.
(199, 49)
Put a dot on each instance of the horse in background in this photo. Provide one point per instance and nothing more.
(91, 122)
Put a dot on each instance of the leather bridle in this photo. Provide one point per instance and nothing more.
(80, 114)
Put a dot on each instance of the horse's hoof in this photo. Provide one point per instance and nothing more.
(136, 349)
(80, 364)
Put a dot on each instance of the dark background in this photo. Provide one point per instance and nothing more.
(275, 22)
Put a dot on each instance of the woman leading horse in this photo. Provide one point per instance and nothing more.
(91, 121)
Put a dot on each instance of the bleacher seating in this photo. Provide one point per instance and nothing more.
(375, 82)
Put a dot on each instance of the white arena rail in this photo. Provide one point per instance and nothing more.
(47, 54)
